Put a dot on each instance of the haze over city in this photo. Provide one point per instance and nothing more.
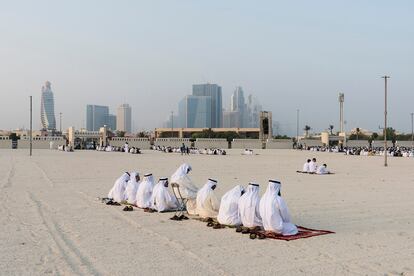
(149, 54)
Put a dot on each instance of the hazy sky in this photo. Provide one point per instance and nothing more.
(290, 54)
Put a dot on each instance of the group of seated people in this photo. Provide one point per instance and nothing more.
(393, 151)
(312, 167)
(247, 152)
(239, 206)
(189, 150)
(65, 148)
(125, 149)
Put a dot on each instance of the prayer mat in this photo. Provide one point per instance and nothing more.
(303, 233)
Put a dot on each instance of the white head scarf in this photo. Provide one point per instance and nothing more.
(207, 202)
(249, 206)
(118, 190)
(270, 208)
(144, 191)
(229, 207)
(162, 200)
(131, 189)
(180, 177)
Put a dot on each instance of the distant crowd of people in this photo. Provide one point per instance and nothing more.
(366, 151)
(125, 149)
(185, 150)
(65, 148)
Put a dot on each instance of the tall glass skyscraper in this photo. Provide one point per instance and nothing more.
(96, 116)
(195, 112)
(214, 92)
(47, 108)
(123, 118)
(238, 105)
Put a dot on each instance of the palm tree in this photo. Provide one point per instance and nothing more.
(331, 127)
(306, 129)
(357, 132)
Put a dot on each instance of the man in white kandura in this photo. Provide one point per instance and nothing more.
(118, 190)
(323, 170)
(306, 168)
(249, 206)
(144, 192)
(207, 202)
(229, 207)
(132, 188)
(187, 188)
(313, 166)
(274, 211)
(162, 200)
(126, 147)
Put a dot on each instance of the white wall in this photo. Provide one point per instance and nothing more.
(202, 143)
(279, 144)
(5, 143)
(246, 144)
(142, 143)
(172, 142)
(41, 142)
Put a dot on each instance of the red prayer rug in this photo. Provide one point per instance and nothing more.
(302, 234)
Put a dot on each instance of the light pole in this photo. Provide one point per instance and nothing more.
(297, 128)
(385, 119)
(31, 127)
(412, 132)
(172, 123)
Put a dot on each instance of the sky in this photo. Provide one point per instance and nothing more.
(289, 54)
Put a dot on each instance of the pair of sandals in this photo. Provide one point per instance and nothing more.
(128, 208)
(182, 217)
(215, 225)
(253, 233)
(149, 210)
(111, 202)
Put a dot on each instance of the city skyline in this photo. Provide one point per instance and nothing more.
(290, 55)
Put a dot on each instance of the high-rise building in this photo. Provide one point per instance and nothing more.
(231, 119)
(195, 112)
(238, 105)
(253, 112)
(111, 121)
(123, 118)
(47, 108)
(214, 92)
(96, 117)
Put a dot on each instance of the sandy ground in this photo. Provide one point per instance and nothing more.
(51, 222)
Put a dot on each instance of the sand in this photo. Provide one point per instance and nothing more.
(51, 222)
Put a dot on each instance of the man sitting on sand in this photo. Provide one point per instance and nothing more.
(229, 207)
(132, 188)
(207, 202)
(274, 211)
(306, 168)
(323, 170)
(162, 200)
(118, 190)
(144, 192)
(313, 166)
(187, 188)
(249, 207)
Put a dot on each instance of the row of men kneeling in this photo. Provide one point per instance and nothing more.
(239, 206)
(125, 149)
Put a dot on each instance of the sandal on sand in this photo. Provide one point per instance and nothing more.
(210, 224)
(175, 217)
(128, 208)
(253, 236)
(261, 236)
(218, 226)
(245, 231)
(183, 217)
(116, 203)
(239, 229)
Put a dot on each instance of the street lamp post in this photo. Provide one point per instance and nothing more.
(31, 126)
(297, 128)
(60, 122)
(412, 132)
(172, 123)
(385, 119)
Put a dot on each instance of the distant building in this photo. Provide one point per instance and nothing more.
(96, 117)
(253, 112)
(123, 118)
(111, 121)
(214, 92)
(238, 104)
(47, 108)
(195, 112)
(231, 119)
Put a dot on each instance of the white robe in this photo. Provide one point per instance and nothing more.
(249, 207)
(118, 190)
(274, 212)
(162, 199)
(131, 189)
(322, 170)
(312, 167)
(229, 207)
(306, 167)
(187, 188)
(207, 202)
(144, 192)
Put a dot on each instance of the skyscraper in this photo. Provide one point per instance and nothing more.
(253, 112)
(123, 118)
(47, 108)
(111, 121)
(238, 105)
(96, 117)
(195, 112)
(214, 92)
